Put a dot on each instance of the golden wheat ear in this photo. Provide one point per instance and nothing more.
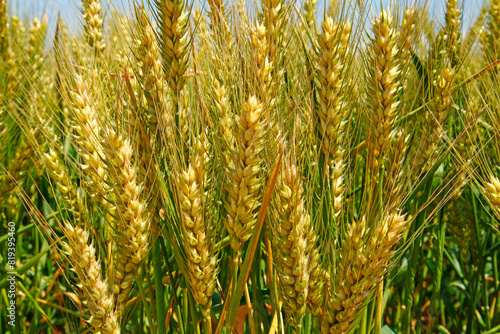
(93, 288)
(244, 186)
(93, 24)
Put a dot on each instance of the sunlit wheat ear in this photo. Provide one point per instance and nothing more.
(291, 234)
(201, 257)
(220, 26)
(310, 14)
(490, 32)
(406, 39)
(263, 66)
(476, 32)
(365, 256)
(174, 40)
(318, 277)
(93, 24)
(437, 115)
(332, 115)
(225, 120)
(245, 179)
(491, 190)
(132, 223)
(275, 16)
(86, 130)
(383, 88)
(19, 166)
(93, 287)
(396, 170)
(334, 44)
(243, 19)
(153, 79)
(452, 26)
(61, 179)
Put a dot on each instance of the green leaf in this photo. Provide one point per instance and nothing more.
(387, 330)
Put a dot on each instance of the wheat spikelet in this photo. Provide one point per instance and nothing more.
(459, 218)
(491, 190)
(243, 17)
(93, 24)
(86, 130)
(361, 267)
(245, 180)
(332, 113)
(201, 257)
(440, 106)
(275, 22)
(452, 27)
(292, 234)
(477, 30)
(225, 122)
(154, 83)
(63, 183)
(318, 277)
(221, 31)
(93, 289)
(19, 165)
(174, 22)
(264, 67)
(383, 88)
(396, 171)
(334, 43)
(494, 23)
(310, 14)
(132, 223)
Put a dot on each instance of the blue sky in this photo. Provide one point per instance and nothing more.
(69, 9)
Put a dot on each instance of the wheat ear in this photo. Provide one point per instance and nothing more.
(384, 88)
(94, 290)
(174, 22)
(291, 236)
(258, 36)
(132, 222)
(245, 179)
(361, 267)
(332, 114)
(154, 83)
(86, 134)
(63, 183)
(19, 165)
(93, 24)
(202, 261)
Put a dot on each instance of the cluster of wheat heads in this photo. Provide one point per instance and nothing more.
(250, 168)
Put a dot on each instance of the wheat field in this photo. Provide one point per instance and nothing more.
(251, 167)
